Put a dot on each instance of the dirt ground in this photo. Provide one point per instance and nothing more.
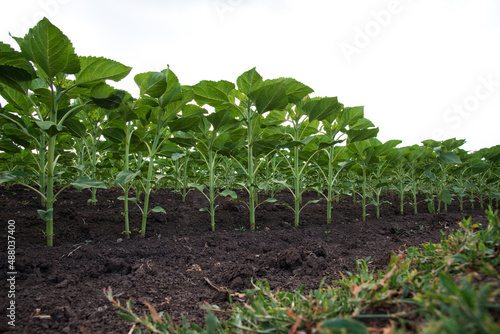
(60, 289)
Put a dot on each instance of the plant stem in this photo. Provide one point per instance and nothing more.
(211, 182)
(251, 172)
(364, 193)
(126, 187)
(297, 189)
(329, 186)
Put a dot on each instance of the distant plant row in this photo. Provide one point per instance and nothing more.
(65, 125)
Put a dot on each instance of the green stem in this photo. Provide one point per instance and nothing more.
(43, 183)
(251, 172)
(94, 167)
(211, 181)
(126, 187)
(363, 200)
(297, 185)
(330, 187)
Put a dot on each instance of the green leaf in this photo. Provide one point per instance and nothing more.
(177, 156)
(340, 326)
(386, 147)
(313, 201)
(153, 84)
(50, 127)
(17, 99)
(350, 115)
(75, 127)
(449, 158)
(295, 90)
(9, 147)
(321, 108)
(8, 177)
(97, 69)
(126, 176)
(445, 196)
(116, 135)
(229, 192)
(46, 215)
(184, 123)
(158, 209)
(271, 96)
(102, 90)
(111, 102)
(270, 200)
(249, 81)
(200, 187)
(174, 90)
(356, 135)
(16, 71)
(50, 50)
(213, 93)
(86, 182)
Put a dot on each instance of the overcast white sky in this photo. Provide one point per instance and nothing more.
(426, 69)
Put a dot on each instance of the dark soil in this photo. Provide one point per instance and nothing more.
(60, 289)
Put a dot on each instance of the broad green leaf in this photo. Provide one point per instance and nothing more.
(116, 135)
(220, 119)
(102, 91)
(46, 215)
(183, 139)
(86, 182)
(270, 97)
(321, 108)
(126, 176)
(111, 102)
(445, 196)
(153, 84)
(177, 156)
(158, 209)
(174, 91)
(16, 71)
(449, 158)
(386, 147)
(361, 135)
(213, 93)
(350, 116)
(295, 90)
(229, 192)
(249, 81)
(184, 123)
(9, 147)
(50, 50)
(16, 98)
(97, 69)
(75, 127)
(49, 127)
(8, 176)
(200, 187)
